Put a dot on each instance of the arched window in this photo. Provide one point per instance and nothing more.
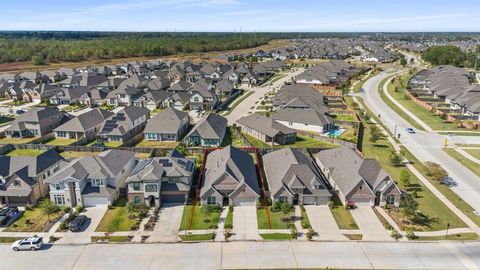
(391, 199)
(137, 200)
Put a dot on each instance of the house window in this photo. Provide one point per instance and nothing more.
(57, 187)
(16, 183)
(282, 199)
(137, 200)
(98, 182)
(122, 95)
(391, 199)
(195, 99)
(136, 186)
(58, 199)
(151, 188)
(173, 179)
(211, 200)
(62, 134)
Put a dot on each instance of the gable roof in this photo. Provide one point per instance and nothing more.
(119, 123)
(234, 162)
(85, 121)
(211, 127)
(264, 125)
(167, 121)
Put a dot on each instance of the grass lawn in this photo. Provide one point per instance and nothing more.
(114, 239)
(349, 135)
(113, 144)
(433, 121)
(354, 236)
(74, 154)
(304, 219)
(197, 237)
(32, 221)
(231, 138)
(7, 240)
(438, 214)
(474, 152)
(201, 219)
(117, 219)
(16, 140)
(275, 219)
(394, 107)
(229, 220)
(60, 142)
(457, 237)
(342, 216)
(276, 236)
(360, 83)
(25, 152)
(345, 118)
(472, 166)
(302, 142)
(157, 144)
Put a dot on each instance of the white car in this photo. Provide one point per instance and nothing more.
(29, 243)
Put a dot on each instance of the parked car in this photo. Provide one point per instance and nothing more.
(448, 181)
(20, 111)
(77, 223)
(410, 130)
(29, 243)
(7, 213)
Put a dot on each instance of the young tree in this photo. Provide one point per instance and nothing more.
(48, 208)
(395, 159)
(409, 207)
(403, 61)
(374, 134)
(405, 178)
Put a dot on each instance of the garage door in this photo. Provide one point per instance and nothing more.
(177, 198)
(309, 200)
(94, 201)
(362, 202)
(244, 201)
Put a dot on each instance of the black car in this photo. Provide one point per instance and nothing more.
(7, 213)
(77, 223)
(20, 111)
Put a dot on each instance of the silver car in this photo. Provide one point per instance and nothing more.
(29, 243)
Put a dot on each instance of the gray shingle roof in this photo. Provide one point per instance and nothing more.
(85, 121)
(211, 127)
(264, 125)
(168, 121)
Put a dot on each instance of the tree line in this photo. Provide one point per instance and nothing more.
(452, 55)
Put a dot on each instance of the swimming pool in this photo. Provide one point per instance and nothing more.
(336, 132)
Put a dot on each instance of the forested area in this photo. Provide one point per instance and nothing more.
(452, 55)
(49, 46)
(49, 50)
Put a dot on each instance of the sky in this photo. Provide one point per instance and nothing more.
(242, 15)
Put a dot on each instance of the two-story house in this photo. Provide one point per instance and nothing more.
(161, 180)
(92, 181)
(124, 125)
(22, 178)
(37, 122)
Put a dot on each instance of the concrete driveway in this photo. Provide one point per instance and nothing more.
(323, 223)
(169, 219)
(371, 228)
(95, 215)
(245, 223)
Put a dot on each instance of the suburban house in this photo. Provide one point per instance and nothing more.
(160, 180)
(230, 178)
(68, 95)
(208, 132)
(22, 178)
(124, 96)
(293, 178)
(357, 181)
(83, 126)
(266, 129)
(36, 122)
(168, 125)
(125, 124)
(92, 181)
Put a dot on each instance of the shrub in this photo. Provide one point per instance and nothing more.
(310, 234)
(206, 220)
(110, 207)
(63, 226)
(395, 234)
(228, 226)
(293, 232)
(411, 235)
(230, 208)
(330, 204)
(28, 207)
(66, 209)
(79, 209)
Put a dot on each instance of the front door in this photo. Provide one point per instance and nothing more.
(225, 201)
